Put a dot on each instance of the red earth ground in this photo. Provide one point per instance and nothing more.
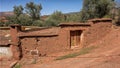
(106, 55)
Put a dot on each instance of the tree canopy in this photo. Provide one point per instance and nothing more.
(33, 10)
(96, 9)
(29, 18)
(18, 10)
(54, 19)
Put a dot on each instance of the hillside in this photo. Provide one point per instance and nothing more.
(5, 14)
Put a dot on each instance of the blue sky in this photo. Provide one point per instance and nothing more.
(49, 6)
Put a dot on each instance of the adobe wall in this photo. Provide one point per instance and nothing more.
(9, 45)
(42, 45)
(49, 44)
(64, 39)
(4, 31)
(65, 34)
(96, 32)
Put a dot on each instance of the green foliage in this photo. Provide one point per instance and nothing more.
(33, 10)
(73, 17)
(82, 52)
(31, 17)
(12, 20)
(18, 10)
(19, 17)
(117, 13)
(23, 19)
(91, 9)
(38, 23)
(17, 66)
(96, 9)
(54, 19)
(50, 22)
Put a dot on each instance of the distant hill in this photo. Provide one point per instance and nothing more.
(5, 14)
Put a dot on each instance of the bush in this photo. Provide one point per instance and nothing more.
(38, 23)
(54, 19)
(51, 22)
(23, 20)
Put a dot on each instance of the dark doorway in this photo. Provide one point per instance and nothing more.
(75, 38)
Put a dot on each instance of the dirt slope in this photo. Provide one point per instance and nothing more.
(106, 55)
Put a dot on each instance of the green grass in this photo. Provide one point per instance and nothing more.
(17, 66)
(81, 52)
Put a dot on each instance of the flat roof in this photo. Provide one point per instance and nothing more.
(100, 19)
(74, 24)
(43, 33)
(15, 25)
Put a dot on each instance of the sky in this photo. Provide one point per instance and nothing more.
(49, 6)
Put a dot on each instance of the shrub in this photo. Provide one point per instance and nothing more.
(38, 23)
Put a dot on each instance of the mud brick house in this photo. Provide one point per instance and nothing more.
(44, 41)
(50, 40)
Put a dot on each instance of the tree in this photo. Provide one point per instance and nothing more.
(23, 20)
(18, 10)
(19, 17)
(31, 17)
(33, 10)
(116, 13)
(38, 23)
(54, 19)
(73, 17)
(96, 9)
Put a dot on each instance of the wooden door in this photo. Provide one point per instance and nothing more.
(75, 38)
